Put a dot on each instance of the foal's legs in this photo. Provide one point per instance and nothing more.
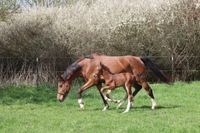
(87, 85)
(149, 91)
(106, 94)
(137, 89)
(105, 97)
(110, 98)
(123, 100)
(106, 106)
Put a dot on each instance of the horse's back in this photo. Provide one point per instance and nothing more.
(117, 64)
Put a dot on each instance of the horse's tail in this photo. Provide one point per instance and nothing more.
(155, 69)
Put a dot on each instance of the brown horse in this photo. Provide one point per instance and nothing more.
(88, 67)
(113, 81)
(84, 67)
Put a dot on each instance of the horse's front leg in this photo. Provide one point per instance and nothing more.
(105, 95)
(102, 90)
(129, 92)
(106, 106)
(87, 85)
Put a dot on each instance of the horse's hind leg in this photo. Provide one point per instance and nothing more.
(149, 91)
(130, 98)
(137, 88)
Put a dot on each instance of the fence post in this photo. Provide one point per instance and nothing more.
(37, 72)
(172, 65)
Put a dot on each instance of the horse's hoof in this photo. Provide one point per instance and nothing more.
(119, 105)
(131, 105)
(81, 109)
(126, 111)
(118, 101)
(154, 107)
(105, 108)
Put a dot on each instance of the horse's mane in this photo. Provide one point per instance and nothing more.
(74, 67)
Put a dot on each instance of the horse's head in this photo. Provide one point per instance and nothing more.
(63, 89)
(64, 84)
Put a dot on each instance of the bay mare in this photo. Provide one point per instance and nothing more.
(87, 68)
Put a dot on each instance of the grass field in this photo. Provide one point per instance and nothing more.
(35, 110)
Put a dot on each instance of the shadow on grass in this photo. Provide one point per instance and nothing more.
(137, 108)
(159, 107)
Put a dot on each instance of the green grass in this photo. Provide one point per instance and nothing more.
(35, 110)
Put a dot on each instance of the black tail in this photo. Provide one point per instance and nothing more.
(155, 69)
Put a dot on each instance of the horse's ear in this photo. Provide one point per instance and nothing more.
(102, 66)
(61, 77)
(99, 67)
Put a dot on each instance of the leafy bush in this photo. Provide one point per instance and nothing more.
(141, 27)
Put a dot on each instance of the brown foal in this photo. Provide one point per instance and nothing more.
(113, 81)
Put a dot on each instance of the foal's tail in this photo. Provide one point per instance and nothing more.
(155, 69)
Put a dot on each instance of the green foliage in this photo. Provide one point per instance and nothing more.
(130, 27)
(178, 111)
(140, 27)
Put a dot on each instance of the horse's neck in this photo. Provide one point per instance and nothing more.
(75, 75)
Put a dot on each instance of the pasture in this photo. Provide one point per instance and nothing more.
(29, 109)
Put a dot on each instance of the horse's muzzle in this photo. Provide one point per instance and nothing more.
(60, 100)
(60, 97)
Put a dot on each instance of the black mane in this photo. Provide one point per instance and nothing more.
(70, 70)
(74, 67)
